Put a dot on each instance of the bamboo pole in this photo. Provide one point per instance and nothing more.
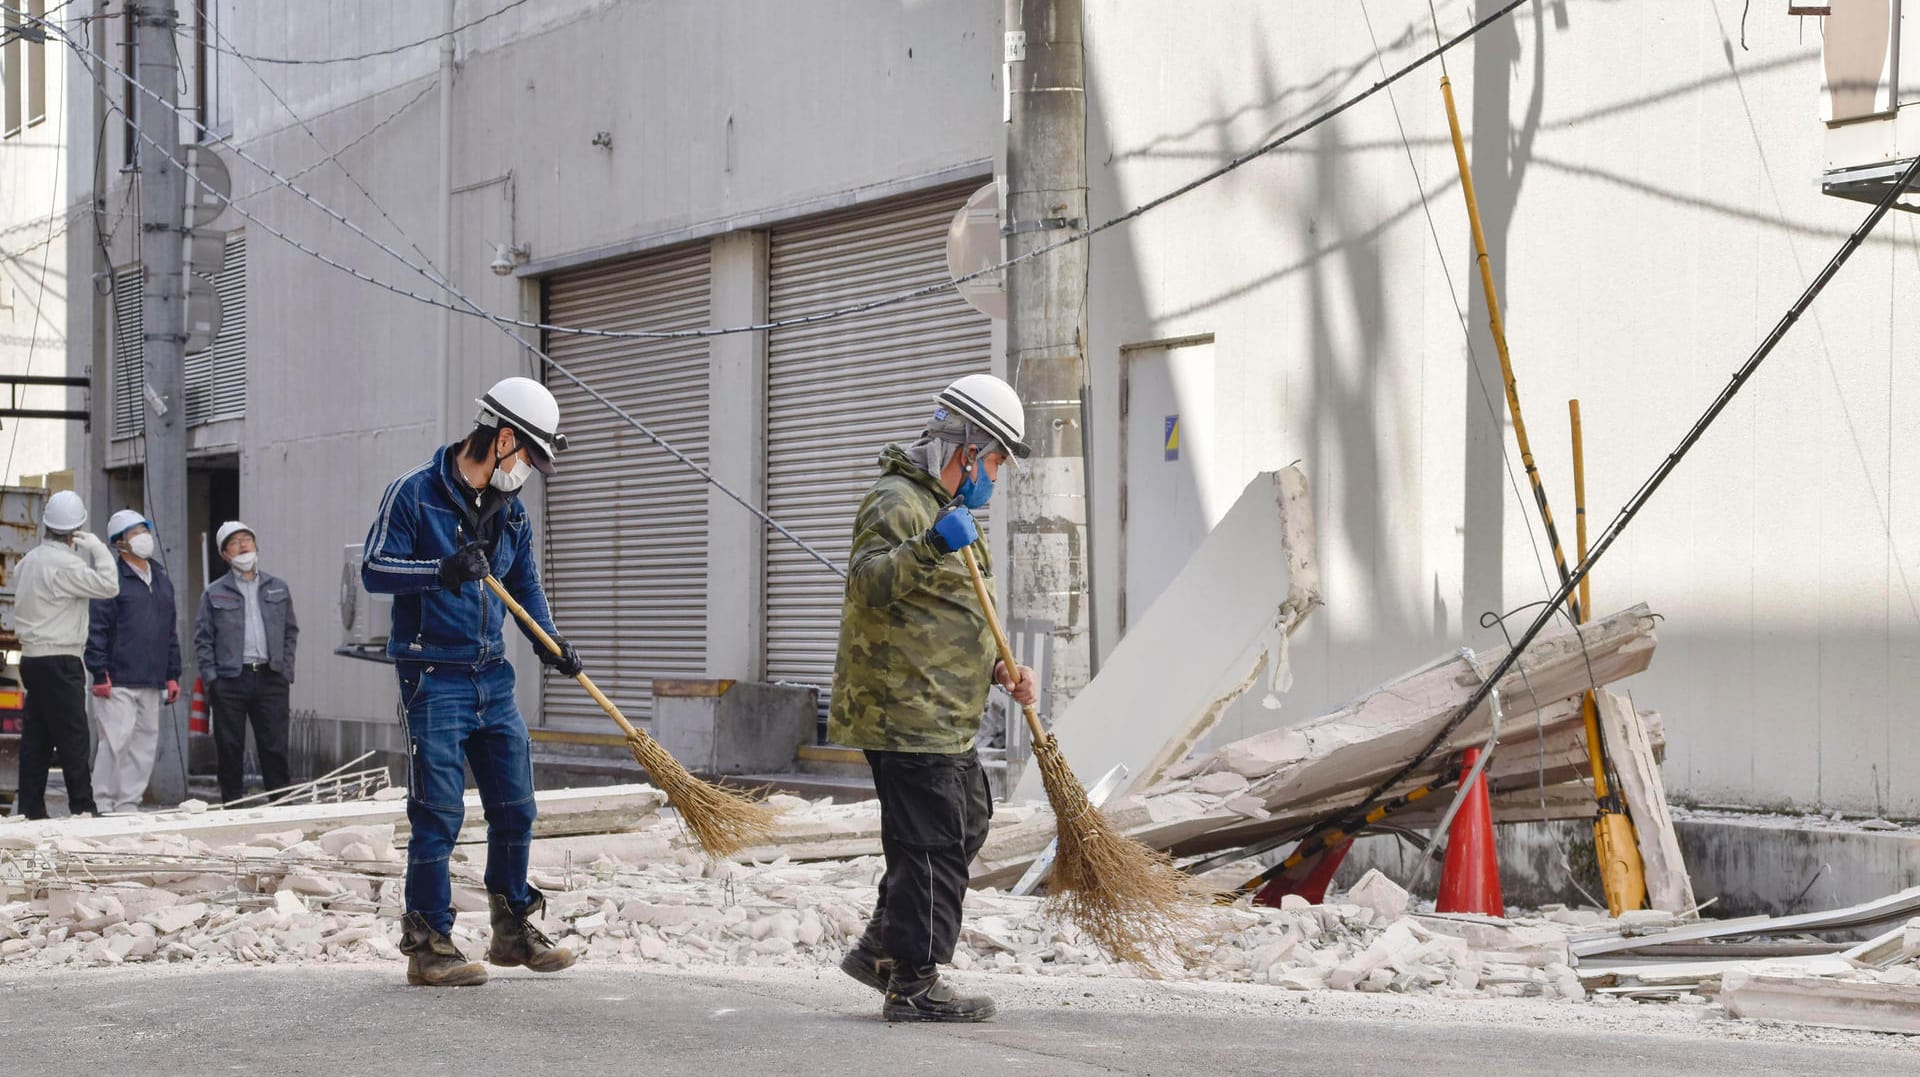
(1499, 329)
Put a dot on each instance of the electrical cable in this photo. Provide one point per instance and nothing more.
(1660, 473)
(1078, 236)
(440, 281)
(446, 285)
(315, 61)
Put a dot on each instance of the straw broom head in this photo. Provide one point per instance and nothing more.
(1127, 897)
(722, 820)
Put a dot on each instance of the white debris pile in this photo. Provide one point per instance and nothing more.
(642, 897)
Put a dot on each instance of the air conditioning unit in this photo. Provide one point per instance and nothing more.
(365, 616)
(1871, 71)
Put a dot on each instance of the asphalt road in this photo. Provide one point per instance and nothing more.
(623, 1020)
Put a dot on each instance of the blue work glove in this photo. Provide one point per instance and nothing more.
(954, 530)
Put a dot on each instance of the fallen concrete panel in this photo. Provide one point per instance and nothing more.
(1669, 888)
(560, 811)
(1901, 906)
(1204, 643)
(1275, 783)
(1868, 1005)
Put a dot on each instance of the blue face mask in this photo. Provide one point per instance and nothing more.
(977, 488)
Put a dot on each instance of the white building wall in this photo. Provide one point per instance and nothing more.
(38, 220)
(1650, 190)
(718, 114)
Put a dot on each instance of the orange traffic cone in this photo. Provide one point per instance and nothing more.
(197, 710)
(1470, 878)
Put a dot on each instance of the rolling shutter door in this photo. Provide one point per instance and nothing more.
(840, 390)
(626, 535)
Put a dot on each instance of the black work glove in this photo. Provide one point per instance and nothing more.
(567, 661)
(469, 562)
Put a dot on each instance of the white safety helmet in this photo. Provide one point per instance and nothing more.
(66, 513)
(527, 407)
(990, 404)
(227, 531)
(124, 521)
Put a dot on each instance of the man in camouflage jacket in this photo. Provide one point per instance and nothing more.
(915, 661)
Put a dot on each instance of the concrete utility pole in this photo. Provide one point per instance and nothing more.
(1047, 330)
(163, 292)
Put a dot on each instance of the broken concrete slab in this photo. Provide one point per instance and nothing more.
(1669, 887)
(1207, 640)
(1828, 1001)
(561, 811)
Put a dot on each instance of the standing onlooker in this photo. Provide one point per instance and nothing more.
(51, 588)
(133, 653)
(243, 638)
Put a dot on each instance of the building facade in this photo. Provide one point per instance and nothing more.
(1647, 175)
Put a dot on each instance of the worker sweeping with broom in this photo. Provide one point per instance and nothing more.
(442, 529)
(916, 655)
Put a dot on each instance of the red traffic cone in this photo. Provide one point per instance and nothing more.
(1470, 879)
(197, 710)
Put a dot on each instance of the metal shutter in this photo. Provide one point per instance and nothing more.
(129, 363)
(626, 565)
(840, 390)
(216, 379)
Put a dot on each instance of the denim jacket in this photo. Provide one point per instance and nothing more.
(426, 515)
(220, 627)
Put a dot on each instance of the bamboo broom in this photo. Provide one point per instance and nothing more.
(722, 820)
(1127, 897)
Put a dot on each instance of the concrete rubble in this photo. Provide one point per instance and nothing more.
(646, 896)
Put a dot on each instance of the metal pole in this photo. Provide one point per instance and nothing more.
(445, 253)
(163, 197)
(1046, 328)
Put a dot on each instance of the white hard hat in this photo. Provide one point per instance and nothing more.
(65, 512)
(527, 407)
(227, 531)
(124, 521)
(991, 404)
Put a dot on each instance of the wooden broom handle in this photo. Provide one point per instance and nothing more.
(1000, 637)
(539, 633)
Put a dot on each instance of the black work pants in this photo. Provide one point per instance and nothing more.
(258, 697)
(55, 723)
(933, 820)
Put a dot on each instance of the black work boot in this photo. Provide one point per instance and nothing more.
(432, 958)
(869, 965)
(927, 997)
(517, 942)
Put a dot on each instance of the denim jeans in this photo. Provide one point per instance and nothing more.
(460, 716)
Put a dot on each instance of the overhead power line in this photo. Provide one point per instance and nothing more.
(465, 305)
(295, 61)
(812, 318)
(1551, 608)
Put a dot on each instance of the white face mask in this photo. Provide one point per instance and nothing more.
(508, 481)
(141, 546)
(245, 561)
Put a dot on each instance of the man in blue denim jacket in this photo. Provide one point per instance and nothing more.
(442, 529)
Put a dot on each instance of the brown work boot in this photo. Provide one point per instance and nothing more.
(869, 966)
(517, 942)
(927, 997)
(432, 958)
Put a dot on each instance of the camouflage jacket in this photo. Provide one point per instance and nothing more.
(916, 655)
